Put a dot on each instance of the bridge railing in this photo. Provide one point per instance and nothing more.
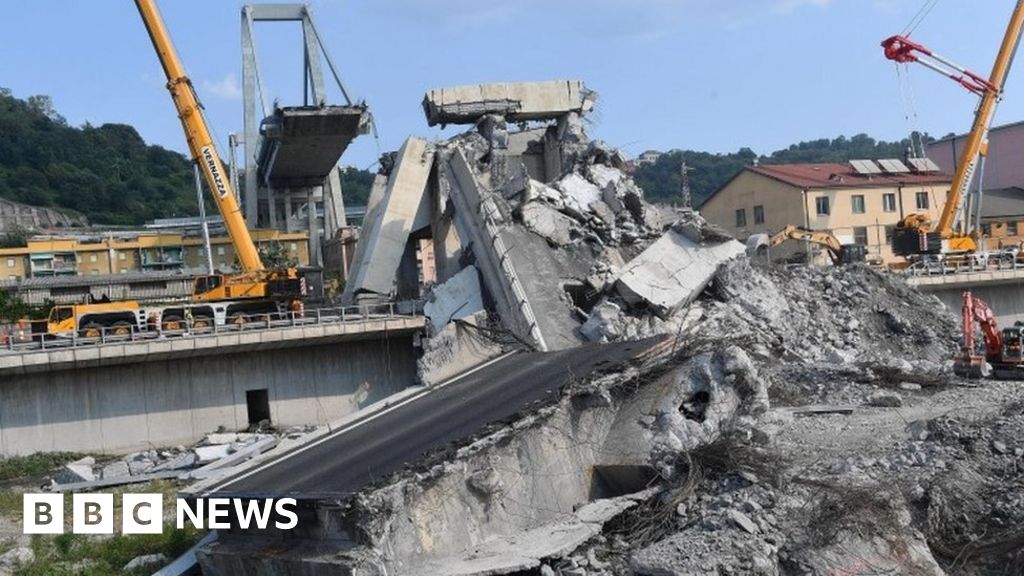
(967, 263)
(21, 341)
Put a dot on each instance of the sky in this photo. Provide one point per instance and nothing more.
(712, 75)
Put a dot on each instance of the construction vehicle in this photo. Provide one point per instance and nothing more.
(216, 298)
(1003, 355)
(839, 253)
(93, 319)
(255, 290)
(954, 232)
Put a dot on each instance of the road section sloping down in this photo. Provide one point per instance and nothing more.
(345, 461)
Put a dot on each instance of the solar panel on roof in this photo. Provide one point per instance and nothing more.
(865, 167)
(893, 166)
(924, 165)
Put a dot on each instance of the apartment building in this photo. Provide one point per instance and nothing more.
(106, 253)
(860, 202)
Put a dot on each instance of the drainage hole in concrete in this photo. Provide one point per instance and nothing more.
(582, 296)
(610, 481)
(696, 405)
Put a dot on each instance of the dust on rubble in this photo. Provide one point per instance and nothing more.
(806, 421)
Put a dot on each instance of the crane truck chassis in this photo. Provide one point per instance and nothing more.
(124, 318)
(217, 299)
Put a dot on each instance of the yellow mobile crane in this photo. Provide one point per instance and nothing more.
(916, 234)
(256, 289)
(216, 298)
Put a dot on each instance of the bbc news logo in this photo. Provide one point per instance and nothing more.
(144, 513)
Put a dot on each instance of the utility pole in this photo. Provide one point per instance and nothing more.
(684, 172)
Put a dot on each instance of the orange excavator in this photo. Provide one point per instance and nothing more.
(1004, 349)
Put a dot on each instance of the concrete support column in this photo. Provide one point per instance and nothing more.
(408, 281)
(315, 253)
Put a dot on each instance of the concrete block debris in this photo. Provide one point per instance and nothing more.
(515, 101)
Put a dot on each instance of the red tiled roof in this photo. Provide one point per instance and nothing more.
(841, 176)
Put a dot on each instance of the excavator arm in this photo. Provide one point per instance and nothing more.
(821, 238)
(200, 143)
(976, 310)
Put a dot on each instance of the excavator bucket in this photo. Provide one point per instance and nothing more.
(757, 244)
(971, 366)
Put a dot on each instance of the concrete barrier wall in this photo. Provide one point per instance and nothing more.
(176, 401)
(1006, 300)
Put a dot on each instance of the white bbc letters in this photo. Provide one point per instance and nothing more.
(43, 513)
(142, 513)
(92, 513)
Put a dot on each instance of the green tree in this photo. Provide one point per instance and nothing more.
(356, 185)
(108, 173)
(661, 181)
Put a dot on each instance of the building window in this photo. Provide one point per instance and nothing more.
(1011, 228)
(821, 203)
(888, 202)
(986, 229)
(860, 235)
(890, 231)
(220, 250)
(758, 214)
(95, 272)
(857, 202)
(10, 262)
(92, 257)
(122, 256)
(741, 217)
(922, 200)
(124, 270)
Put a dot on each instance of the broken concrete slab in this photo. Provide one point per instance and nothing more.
(179, 462)
(77, 471)
(516, 101)
(210, 453)
(140, 466)
(142, 478)
(402, 209)
(460, 296)
(524, 551)
(548, 223)
(671, 272)
(457, 347)
(604, 323)
(118, 469)
(539, 191)
(578, 193)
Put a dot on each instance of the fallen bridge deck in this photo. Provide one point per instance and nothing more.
(342, 463)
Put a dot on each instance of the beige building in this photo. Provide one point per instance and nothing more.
(856, 208)
(101, 254)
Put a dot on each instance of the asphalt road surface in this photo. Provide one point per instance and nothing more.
(349, 459)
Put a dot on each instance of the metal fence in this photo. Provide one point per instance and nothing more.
(967, 263)
(15, 342)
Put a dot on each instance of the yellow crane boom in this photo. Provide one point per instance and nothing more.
(977, 140)
(200, 143)
(902, 50)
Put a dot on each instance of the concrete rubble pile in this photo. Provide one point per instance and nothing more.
(548, 223)
(215, 454)
(768, 437)
(688, 467)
